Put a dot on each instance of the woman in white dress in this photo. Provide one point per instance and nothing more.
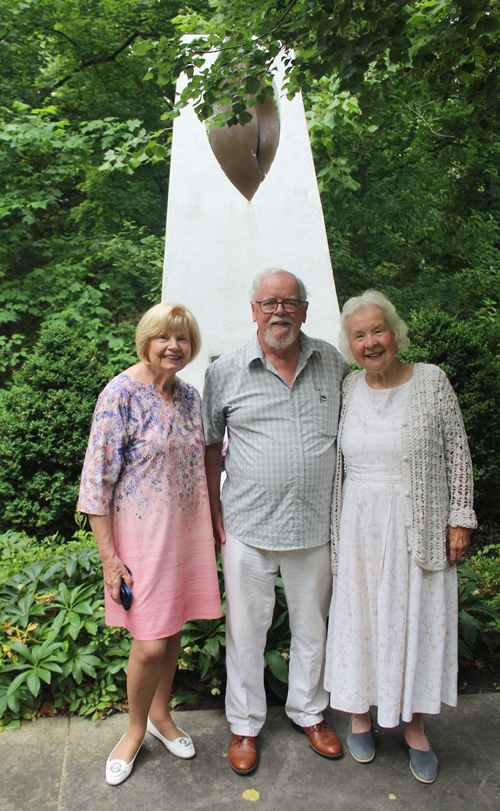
(401, 520)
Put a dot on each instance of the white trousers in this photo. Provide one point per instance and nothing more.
(250, 576)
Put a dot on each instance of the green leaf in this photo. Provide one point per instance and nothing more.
(141, 48)
(74, 619)
(59, 621)
(277, 686)
(18, 681)
(74, 630)
(211, 647)
(33, 682)
(45, 674)
(277, 665)
(204, 662)
(71, 567)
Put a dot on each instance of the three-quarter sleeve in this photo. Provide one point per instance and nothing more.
(104, 456)
(458, 461)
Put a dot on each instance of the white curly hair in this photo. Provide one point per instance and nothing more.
(368, 298)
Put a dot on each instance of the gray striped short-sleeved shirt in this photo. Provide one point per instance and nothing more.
(281, 453)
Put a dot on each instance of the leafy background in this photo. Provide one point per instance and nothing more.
(403, 111)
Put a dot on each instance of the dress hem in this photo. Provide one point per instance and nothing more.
(162, 635)
(386, 724)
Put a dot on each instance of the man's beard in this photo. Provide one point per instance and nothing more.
(280, 341)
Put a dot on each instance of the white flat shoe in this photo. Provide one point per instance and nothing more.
(117, 770)
(181, 747)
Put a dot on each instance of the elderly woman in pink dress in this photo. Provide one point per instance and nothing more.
(144, 489)
(401, 521)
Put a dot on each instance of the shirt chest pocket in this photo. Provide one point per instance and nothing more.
(328, 412)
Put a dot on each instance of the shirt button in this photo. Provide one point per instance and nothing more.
(404, 424)
(405, 458)
(407, 493)
(408, 525)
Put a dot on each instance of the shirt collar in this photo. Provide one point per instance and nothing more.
(307, 348)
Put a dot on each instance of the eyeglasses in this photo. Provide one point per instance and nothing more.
(290, 305)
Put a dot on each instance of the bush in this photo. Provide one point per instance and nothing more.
(486, 565)
(57, 653)
(458, 348)
(478, 622)
(45, 420)
(55, 649)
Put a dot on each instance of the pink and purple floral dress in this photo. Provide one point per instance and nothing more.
(145, 466)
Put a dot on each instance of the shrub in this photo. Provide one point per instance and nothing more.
(458, 348)
(486, 565)
(477, 620)
(45, 420)
(55, 649)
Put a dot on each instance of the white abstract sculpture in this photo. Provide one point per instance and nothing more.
(217, 240)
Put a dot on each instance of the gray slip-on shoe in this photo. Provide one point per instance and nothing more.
(423, 765)
(361, 745)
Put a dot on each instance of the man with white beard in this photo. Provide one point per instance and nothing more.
(278, 397)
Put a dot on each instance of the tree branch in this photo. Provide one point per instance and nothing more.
(93, 62)
(419, 115)
(62, 34)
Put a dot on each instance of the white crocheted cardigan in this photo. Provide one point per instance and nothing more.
(437, 468)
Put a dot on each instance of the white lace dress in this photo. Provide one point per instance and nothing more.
(392, 637)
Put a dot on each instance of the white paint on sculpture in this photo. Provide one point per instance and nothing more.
(217, 240)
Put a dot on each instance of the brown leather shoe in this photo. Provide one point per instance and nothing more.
(242, 752)
(322, 739)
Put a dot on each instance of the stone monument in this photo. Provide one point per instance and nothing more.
(243, 199)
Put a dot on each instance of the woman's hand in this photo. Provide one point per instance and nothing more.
(457, 543)
(112, 568)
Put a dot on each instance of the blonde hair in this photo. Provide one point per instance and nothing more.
(372, 297)
(164, 319)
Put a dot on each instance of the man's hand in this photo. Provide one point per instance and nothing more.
(218, 528)
(457, 543)
(213, 466)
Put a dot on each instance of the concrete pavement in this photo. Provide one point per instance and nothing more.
(57, 764)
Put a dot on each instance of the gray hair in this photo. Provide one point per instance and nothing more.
(271, 272)
(372, 297)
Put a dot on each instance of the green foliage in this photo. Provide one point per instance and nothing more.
(387, 54)
(486, 565)
(411, 208)
(478, 621)
(458, 348)
(202, 660)
(84, 160)
(56, 651)
(44, 426)
(17, 550)
(58, 262)
(54, 644)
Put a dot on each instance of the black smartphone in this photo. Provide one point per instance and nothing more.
(125, 593)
